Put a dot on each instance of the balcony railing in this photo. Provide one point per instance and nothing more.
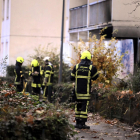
(78, 17)
(100, 12)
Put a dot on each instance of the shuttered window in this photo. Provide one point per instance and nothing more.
(78, 17)
(100, 12)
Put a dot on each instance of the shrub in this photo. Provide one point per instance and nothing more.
(134, 81)
(24, 117)
(9, 79)
(62, 91)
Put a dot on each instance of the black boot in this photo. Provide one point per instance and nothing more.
(84, 126)
(80, 124)
(77, 124)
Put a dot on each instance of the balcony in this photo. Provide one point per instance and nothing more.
(99, 13)
(78, 17)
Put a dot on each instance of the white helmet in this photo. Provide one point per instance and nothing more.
(46, 58)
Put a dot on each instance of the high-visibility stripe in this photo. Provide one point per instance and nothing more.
(83, 94)
(95, 74)
(89, 73)
(16, 75)
(75, 107)
(50, 66)
(47, 71)
(49, 84)
(82, 116)
(17, 83)
(41, 71)
(86, 77)
(32, 69)
(30, 73)
(46, 75)
(35, 85)
(83, 67)
(86, 98)
(72, 74)
(81, 112)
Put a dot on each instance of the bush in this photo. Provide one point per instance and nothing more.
(62, 91)
(23, 117)
(9, 79)
(134, 81)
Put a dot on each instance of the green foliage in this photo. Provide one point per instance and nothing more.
(9, 79)
(62, 91)
(134, 81)
(112, 102)
(24, 117)
(40, 53)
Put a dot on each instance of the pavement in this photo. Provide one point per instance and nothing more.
(102, 129)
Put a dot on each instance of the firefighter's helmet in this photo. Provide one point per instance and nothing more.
(34, 63)
(46, 58)
(86, 55)
(20, 59)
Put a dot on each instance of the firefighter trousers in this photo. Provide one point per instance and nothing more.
(81, 110)
(36, 90)
(19, 88)
(47, 92)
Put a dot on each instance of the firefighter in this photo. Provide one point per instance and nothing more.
(82, 74)
(19, 75)
(48, 79)
(36, 73)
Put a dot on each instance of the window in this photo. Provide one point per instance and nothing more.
(100, 12)
(78, 17)
(7, 9)
(3, 10)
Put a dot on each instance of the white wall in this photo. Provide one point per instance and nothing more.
(35, 23)
(76, 3)
(5, 31)
(125, 12)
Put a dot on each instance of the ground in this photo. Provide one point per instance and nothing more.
(102, 129)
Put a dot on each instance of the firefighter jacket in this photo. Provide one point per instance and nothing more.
(19, 74)
(37, 79)
(83, 73)
(48, 73)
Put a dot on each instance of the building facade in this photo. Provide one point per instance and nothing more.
(27, 24)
